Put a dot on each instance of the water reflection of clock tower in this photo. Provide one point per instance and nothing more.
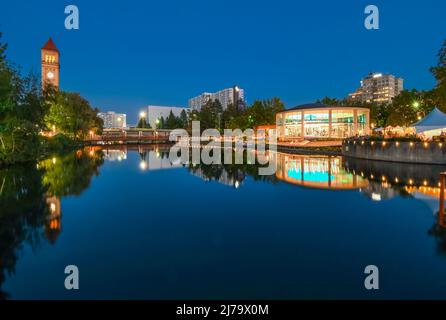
(50, 65)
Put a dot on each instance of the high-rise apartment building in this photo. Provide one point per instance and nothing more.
(378, 88)
(113, 120)
(225, 96)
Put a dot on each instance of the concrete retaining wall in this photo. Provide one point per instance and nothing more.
(410, 152)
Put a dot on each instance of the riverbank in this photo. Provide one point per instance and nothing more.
(396, 151)
(42, 149)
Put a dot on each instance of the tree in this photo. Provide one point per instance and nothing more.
(26, 112)
(439, 71)
(8, 92)
(232, 111)
(330, 101)
(407, 108)
(142, 123)
(193, 115)
(21, 113)
(72, 115)
(379, 114)
(171, 121)
(210, 115)
(161, 123)
(183, 121)
(263, 112)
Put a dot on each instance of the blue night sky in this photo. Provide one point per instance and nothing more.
(128, 54)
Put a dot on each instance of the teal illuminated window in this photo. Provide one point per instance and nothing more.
(316, 116)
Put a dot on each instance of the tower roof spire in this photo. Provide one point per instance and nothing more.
(49, 45)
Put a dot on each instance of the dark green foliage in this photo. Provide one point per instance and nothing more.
(24, 191)
(262, 112)
(142, 123)
(439, 71)
(72, 115)
(26, 112)
(210, 115)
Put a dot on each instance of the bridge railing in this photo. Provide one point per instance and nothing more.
(130, 134)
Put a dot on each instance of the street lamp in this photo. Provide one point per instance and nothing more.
(416, 104)
(142, 114)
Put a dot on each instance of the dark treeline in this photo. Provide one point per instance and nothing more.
(238, 115)
(212, 116)
(34, 122)
(409, 105)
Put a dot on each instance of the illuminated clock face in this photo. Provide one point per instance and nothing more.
(50, 75)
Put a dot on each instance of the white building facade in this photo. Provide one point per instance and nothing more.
(225, 96)
(113, 120)
(155, 113)
(378, 88)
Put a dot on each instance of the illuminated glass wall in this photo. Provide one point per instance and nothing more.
(316, 124)
(342, 123)
(335, 123)
(293, 125)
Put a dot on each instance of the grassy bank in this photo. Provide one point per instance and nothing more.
(39, 149)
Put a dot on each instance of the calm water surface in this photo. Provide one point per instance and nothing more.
(138, 227)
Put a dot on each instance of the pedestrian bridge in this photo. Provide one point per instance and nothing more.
(129, 136)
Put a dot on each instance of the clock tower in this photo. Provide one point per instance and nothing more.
(50, 65)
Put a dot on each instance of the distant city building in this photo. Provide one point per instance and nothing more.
(155, 113)
(113, 120)
(225, 96)
(197, 102)
(378, 88)
(50, 66)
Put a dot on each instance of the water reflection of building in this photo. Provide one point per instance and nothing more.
(223, 176)
(53, 225)
(152, 157)
(418, 180)
(419, 176)
(115, 155)
(388, 179)
(317, 172)
(159, 159)
(378, 191)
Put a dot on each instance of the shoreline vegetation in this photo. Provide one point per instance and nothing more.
(35, 123)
